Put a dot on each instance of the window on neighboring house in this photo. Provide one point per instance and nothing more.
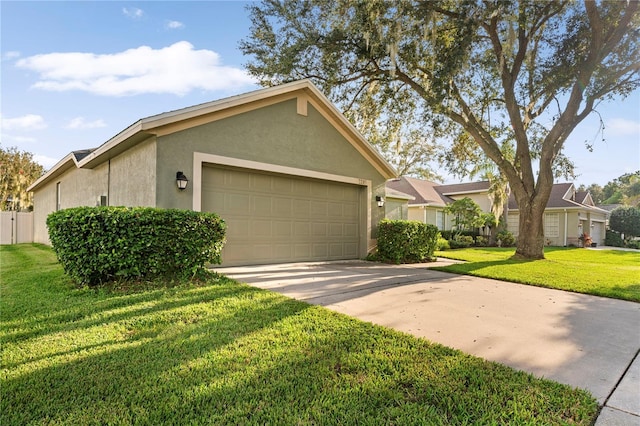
(58, 196)
(513, 223)
(440, 220)
(551, 225)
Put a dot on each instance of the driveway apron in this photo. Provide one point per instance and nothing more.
(581, 340)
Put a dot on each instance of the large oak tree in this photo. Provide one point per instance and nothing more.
(507, 80)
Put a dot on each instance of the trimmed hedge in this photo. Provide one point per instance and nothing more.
(404, 241)
(613, 238)
(101, 244)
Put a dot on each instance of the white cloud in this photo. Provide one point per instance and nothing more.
(133, 12)
(46, 162)
(81, 123)
(25, 122)
(12, 54)
(623, 127)
(176, 69)
(174, 25)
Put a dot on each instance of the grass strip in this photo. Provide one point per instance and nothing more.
(608, 273)
(221, 352)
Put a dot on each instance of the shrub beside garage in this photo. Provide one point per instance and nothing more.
(406, 241)
(102, 244)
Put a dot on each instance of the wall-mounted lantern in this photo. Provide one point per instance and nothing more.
(181, 181)
(380, 201)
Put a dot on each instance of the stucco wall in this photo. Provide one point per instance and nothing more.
(78, 187)
(416, 213)
(396, 209)
(481, 199)
(133, 176)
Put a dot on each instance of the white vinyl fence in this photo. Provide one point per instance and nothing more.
(16, 227)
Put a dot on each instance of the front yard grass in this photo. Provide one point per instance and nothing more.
(609, 273)
(221, 352)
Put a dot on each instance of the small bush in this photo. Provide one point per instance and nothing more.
(449, 235)
(506, 238)
(613, 238)
(404, 241)
(101, 244)
(461, 241)
(633, 244)
(442, 244)
(482, 241)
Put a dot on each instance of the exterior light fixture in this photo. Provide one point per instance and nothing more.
(380, 201)
(181, 181)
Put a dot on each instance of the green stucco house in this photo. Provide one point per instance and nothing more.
(292, 178)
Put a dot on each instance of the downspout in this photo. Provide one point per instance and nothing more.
(109, 183)
(565, 227)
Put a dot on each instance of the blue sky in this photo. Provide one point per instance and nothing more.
(74, 74)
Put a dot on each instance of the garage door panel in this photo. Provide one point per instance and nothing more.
(278, 218)
(282, 229)
(260, 228)
(302, 229)
(261, 205)
(237, 203)
(283, 207)
(350, 229)
(319, 209)
(318, 229)
(301, 208)
(320, 250)
(336, 229)
(350, 250)
(237, 228)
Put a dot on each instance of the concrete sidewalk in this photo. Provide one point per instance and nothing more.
(584, 341)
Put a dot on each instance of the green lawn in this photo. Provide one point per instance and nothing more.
(226, 353)
(609, 273)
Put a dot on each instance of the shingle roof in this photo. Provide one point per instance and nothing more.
(423, 191)
(561, 197)
(460, 188)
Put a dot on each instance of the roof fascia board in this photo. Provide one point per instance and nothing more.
(98, 155)
(566, 194)
(476, 191)
(59, 168)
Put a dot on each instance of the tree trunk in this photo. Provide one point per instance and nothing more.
(530, 244)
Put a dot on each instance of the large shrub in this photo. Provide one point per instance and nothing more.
(100, 244)
(626, 220)
(404, 241)
(613, 238)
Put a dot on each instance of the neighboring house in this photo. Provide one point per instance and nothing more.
(396, 204)
(291, 177)
(568, 215)
(430, 199)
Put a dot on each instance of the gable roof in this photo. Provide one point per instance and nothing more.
(563, 196)
(423, 191)
(463, 188)
(169, 122)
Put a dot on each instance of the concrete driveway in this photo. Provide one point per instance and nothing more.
(584, 341)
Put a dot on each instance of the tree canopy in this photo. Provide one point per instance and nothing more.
(18, 171)
(503, 80)
(626, 220)
(467, 214)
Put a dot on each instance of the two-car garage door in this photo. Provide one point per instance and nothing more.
(279, 218)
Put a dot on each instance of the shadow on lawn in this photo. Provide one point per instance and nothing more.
(111, 381)
(286, 363)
